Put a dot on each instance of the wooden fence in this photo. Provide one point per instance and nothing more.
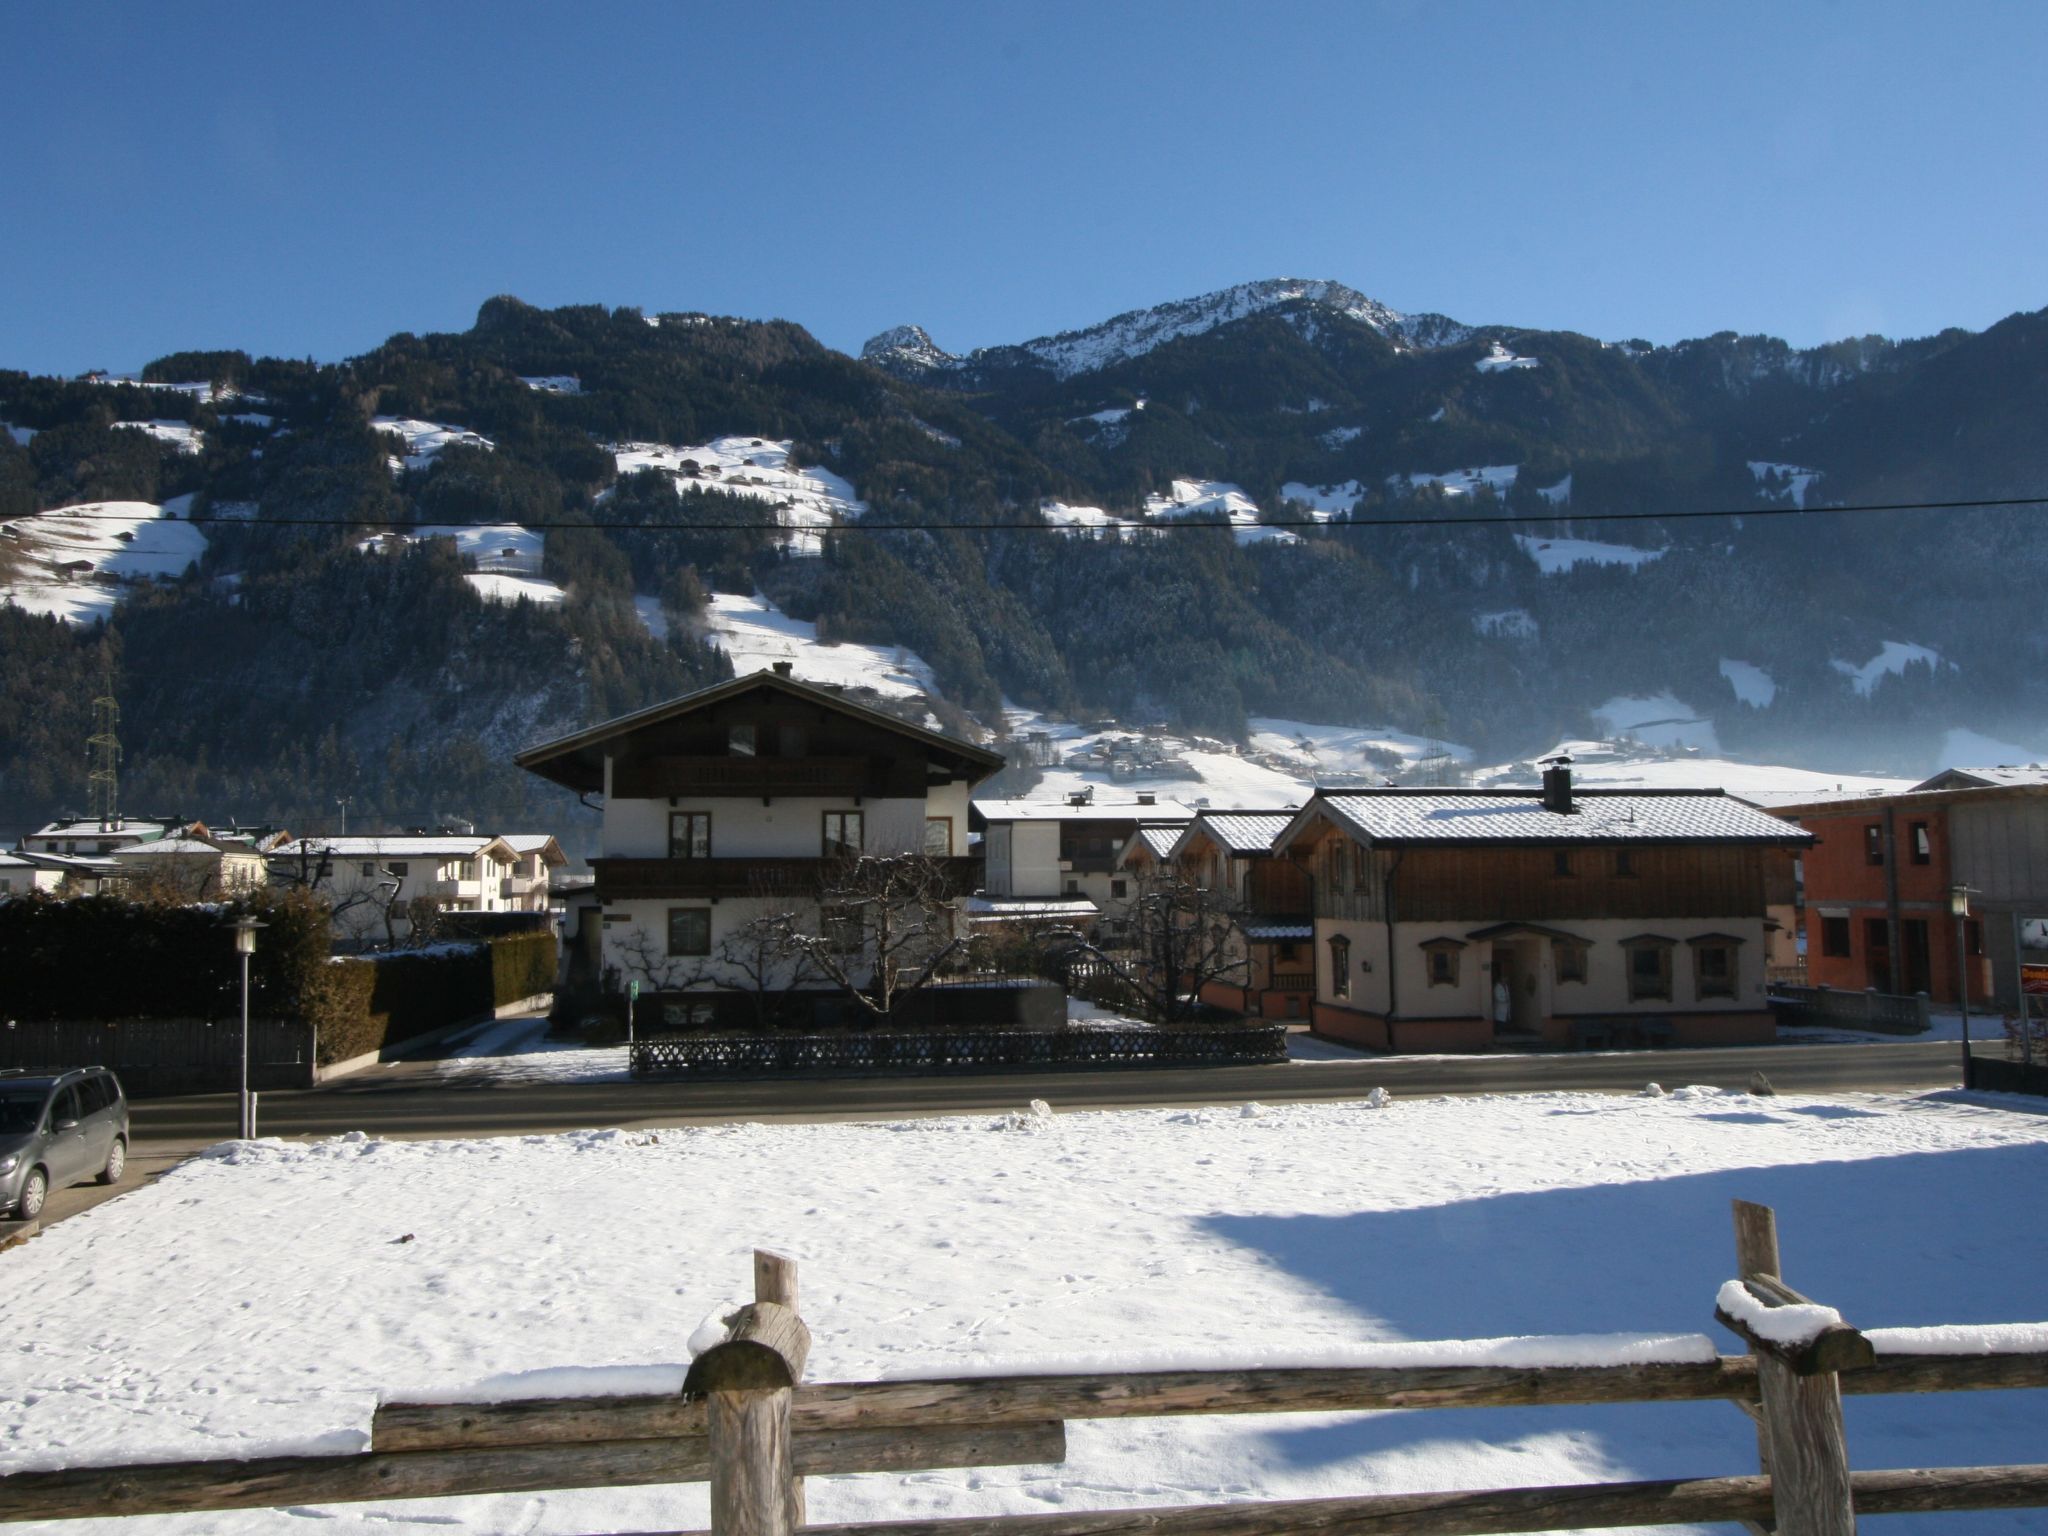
(747, 1424)
(1881, 1012)
(956, 1050)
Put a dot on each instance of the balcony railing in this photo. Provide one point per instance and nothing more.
(1292, 981)
(663, 879)
(742, 776)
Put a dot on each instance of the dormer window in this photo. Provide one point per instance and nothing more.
(739, 738)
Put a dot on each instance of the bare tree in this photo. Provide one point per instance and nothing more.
(756, 959)
(886, 928)
(1181, 934)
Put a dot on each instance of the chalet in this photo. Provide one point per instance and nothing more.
(1882, 872)
(737, 803)
(372, 881)
(1453, 920)
(1267, 895)
(193, 865)
(1068, 851)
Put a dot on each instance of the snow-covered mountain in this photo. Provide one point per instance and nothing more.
(909, 350)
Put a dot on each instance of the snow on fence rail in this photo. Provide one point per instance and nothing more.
(746, 1424)
(956, 1050)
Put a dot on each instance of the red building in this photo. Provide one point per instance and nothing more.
(1877, 882)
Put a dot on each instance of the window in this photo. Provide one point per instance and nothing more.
(1569, 956)
(1340, 966)
(938, 836)
(368, 868)
(1561, 862)
(1073, 887)
(1923, 846)
(1340, 864)
(1625, 862)
(696, 1013)
(1873, 844)
(739, 739)
(1441, 961)
(1713, 969)
(689, 930)
(1973, 937)
(1119, 889)
(1649, 970)
(65, 1107)
(842, 834)
(841, 928)
(689, 834)
(1877, 936)
(796, 741)
(92, 1095)
(399, 869)
(1834, 937)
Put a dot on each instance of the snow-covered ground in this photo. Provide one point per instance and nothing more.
(1185, 498)
(1322, 500)
(1752, 684)
(803, 498)
(1793, 481)
(554, 383)
(76, 559)
(261, 1299)
(1325, 751)
(425, 439)
(1659, 720)
(1499, 359)
(1893, 657)
(517, 1052)
(1961, 746)
(1084, 519)
(1613, 765)
(757, 634)
(1463, 482)
(181, 435)
(508, 558)
(1555, 555)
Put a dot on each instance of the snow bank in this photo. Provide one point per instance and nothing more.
(1958, 1339)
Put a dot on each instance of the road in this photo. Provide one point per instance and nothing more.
(411, 1102)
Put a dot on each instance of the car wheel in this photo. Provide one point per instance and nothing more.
(117, 1162)
(35, 1189)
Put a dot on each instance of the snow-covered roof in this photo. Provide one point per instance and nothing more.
(1097, 810)
(438, 847)
(92, 826)
(1397, 816)
(1161, 840)
(523, 843)
(1242, 831)
(2003, 776)
(185, 847)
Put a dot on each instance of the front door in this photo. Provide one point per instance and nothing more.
(1501, 998)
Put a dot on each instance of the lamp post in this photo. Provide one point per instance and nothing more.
(1959, 904)
(245, 928)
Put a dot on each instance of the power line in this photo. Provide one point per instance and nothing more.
(1174, 525)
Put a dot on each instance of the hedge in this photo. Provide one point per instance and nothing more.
(101, 958)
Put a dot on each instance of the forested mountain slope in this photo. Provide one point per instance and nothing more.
(283, 633)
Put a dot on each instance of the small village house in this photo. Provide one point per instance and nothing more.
(1267, 896)
(1459, 920)
(1881, 873)
(738, 804)
(192, 865)
(372, 882)
(1065, 858)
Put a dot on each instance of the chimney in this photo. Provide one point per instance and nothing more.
(1557, 785)
(783, 668)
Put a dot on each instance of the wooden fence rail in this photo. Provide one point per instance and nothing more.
(747, 1424)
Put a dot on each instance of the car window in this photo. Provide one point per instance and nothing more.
(66, 1107)
(21, 1110)
(92, 1094)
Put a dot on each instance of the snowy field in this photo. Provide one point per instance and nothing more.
(260, 1299)
(756, 634)
(77, 558)
(807, 499)
(1554, 556)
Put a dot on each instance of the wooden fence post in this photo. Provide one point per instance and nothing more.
(746, 1383)
(775, 1280)
(1801, 1441)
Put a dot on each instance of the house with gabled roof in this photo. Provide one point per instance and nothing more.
(736, 803)
(1069, 851)
(1267, 895)
(1465, 920)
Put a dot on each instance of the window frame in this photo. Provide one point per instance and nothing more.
(1581, 956)
(742, 739)
(1340, 965)
(1726, 984)
(1638, 984)
(1873, 844)
(1442, 964)
(691, 818)
(702, 914)
(1830, 949)
(1919, 842)
(938, 821)
(1561, 864)
(838, 848)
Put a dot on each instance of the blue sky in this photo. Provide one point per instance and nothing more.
(308, 179)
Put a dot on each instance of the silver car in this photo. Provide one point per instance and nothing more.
(56, 1129)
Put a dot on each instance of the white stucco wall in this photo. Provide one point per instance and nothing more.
(636, 940)
(790, 827)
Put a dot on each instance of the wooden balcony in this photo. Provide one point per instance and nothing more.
(656, 778)
(713, 879)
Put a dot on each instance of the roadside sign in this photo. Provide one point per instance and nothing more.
(633, 991)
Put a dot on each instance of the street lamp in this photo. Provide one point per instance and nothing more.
(1959, 904)
(245, 928)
